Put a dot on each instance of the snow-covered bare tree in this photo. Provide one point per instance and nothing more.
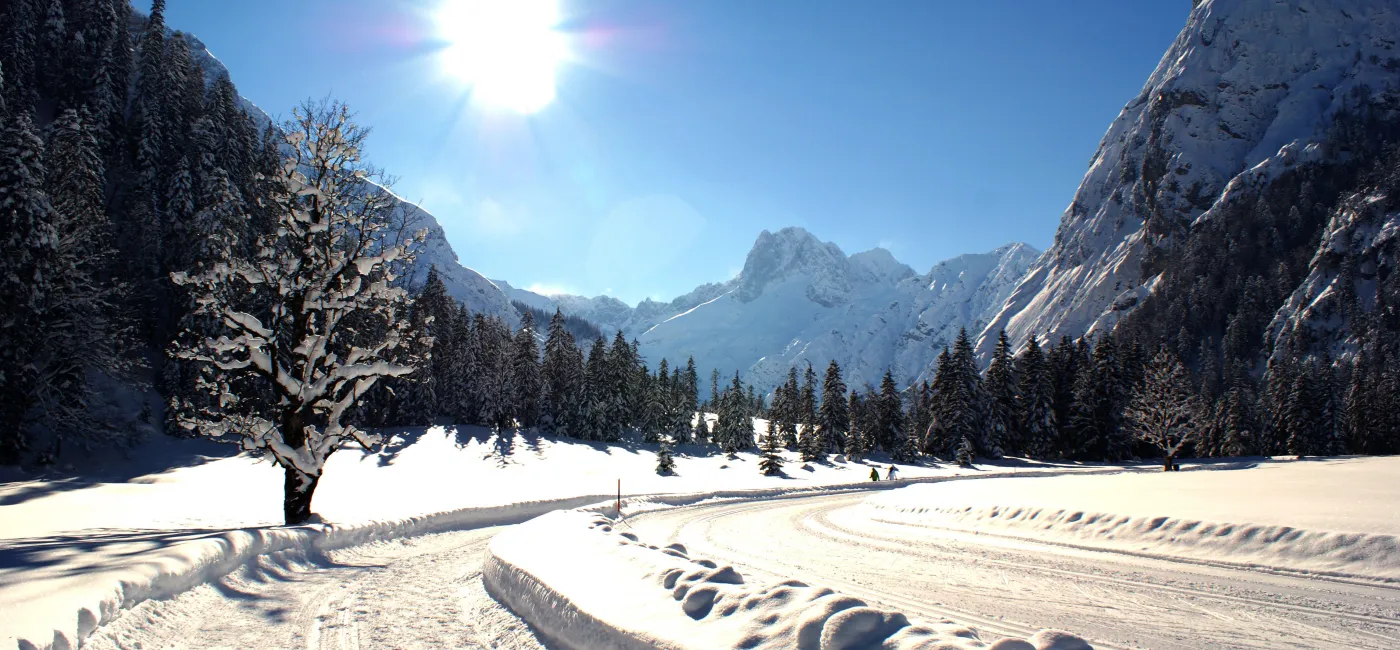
(1162, 411)
(330, 263)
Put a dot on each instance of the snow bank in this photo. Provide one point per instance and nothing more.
(585, 585)
(57, 609)
(1321, 517)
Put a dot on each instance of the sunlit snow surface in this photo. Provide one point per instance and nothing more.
(68, 543)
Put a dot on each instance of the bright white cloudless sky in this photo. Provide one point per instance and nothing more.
(682, 128)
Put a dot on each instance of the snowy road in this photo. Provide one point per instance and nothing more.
(422, 592)
(1013, 587)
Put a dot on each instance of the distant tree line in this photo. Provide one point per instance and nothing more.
(581, 328)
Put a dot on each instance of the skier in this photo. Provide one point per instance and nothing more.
(874, 474)
(893, 469)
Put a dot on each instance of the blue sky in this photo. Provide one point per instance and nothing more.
(682, 128)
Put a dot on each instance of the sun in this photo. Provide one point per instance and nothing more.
(507, 50)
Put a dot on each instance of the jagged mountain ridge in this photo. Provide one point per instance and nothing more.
(1246, 91)
(800, 300)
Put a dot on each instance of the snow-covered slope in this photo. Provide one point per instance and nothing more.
(799, 301)
(1244, 80)
(467, 286)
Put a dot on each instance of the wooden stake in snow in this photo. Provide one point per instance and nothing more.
(619, 498)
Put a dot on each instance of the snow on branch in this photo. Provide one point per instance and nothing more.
(308, 322)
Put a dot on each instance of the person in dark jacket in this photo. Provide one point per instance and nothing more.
(874, 474)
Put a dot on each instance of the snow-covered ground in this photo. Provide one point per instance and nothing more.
(1013, 579)
(181, 547)
(1338, 517)
(75, 551)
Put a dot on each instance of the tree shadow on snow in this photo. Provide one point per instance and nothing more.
(159, 455)
(395, 442)
(99, 549)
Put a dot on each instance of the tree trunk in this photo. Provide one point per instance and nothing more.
(1171, 460)
(296, 497)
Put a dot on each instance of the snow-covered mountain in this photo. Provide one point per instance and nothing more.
(611, 314)
(1246, 90)
(799, 300)
(466, 285)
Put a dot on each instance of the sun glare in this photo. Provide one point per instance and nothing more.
(507, 50)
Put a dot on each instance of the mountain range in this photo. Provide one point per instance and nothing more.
(1249, 90)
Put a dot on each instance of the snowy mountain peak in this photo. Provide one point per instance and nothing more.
(879, 265)
(1245, 83)
(794, 253)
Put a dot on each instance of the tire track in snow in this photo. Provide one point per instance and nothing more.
(821, 524)
(421, 592)
(1124, 600)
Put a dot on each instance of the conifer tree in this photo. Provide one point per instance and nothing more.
(1037, 407)
(889, 416)
(654, 416)
(834, 418)
(938, 439)
(963, 399)
(701, 432)
(525, 370)
(1099, 399)
(1003, 394)
(857, 439)
(665, 464)
(734, 431)
(679, 413)
(28, 256)
(20, 48)
(771, 463)
(554, 379)
(597, 400)
(1240, 428)
(692, 386)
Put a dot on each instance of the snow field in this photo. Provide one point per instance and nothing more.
(74, 552)
(1334, 517)
(629, 594)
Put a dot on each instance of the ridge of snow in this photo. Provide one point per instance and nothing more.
(1247, 82)
(630, 594)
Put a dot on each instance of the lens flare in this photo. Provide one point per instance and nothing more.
(508, 51)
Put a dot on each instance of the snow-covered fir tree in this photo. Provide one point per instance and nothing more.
(833, 417)
(1003, 399)
(771, 463)
(525, 373)
(857, 438)
(1037, 408)
(889, 416)
(665, 464)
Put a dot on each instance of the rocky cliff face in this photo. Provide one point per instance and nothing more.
(1247, 91)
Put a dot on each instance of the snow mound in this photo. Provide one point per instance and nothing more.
(630, 594)
(59, 611)
(1323, 518)
(1352, 555)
